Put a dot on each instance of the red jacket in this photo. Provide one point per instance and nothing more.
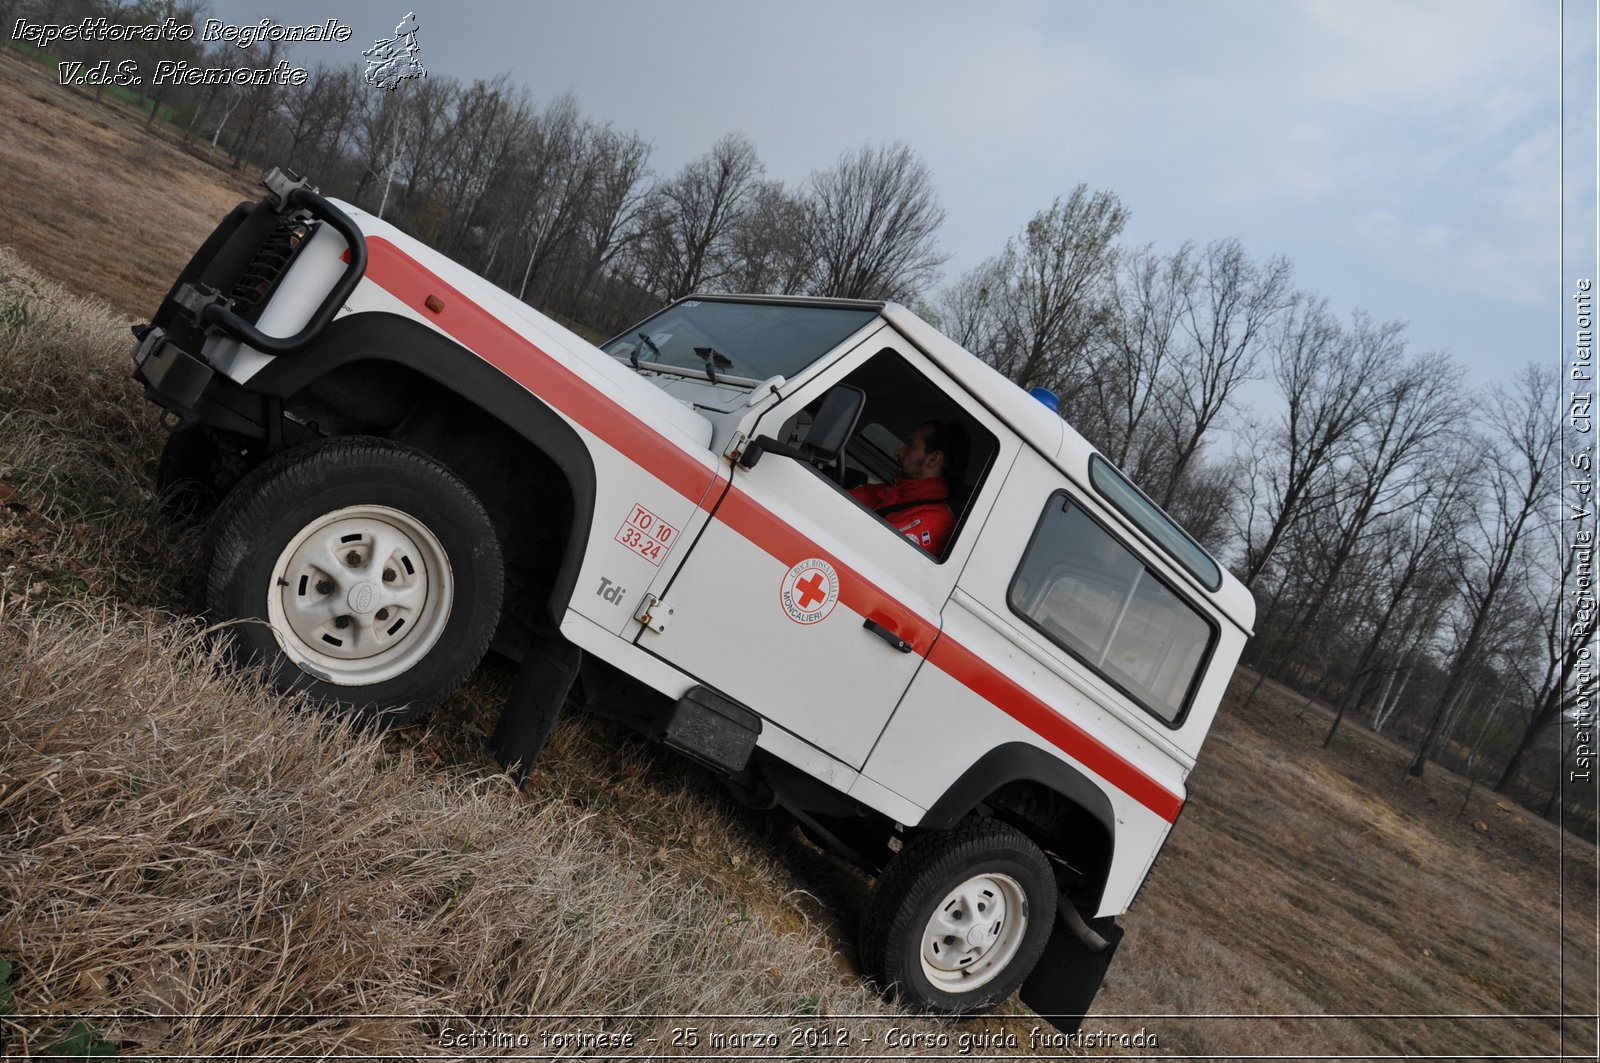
(920, 509)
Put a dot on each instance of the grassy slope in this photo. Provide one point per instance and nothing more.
(315, 870)
(180, 841)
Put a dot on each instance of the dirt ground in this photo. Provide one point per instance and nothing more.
(94, 199)
(1310, 902)
(1346, 909)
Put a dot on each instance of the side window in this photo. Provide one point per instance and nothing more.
(1094, 597)
(879, 468)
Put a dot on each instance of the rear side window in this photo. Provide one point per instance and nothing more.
(1092, 596)
(1120, 492)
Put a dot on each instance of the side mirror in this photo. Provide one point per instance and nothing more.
(830, 429)
(836, 420)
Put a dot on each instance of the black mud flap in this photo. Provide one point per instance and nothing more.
(548, 670)
(1069, 973)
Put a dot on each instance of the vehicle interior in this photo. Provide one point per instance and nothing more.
(899, 399)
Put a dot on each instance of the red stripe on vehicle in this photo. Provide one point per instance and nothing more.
(999, 690)
(511, 352)
(523, 361)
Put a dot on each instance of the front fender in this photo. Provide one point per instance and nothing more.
(381, 338)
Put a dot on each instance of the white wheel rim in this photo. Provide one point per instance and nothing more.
(361, 595)
(974, 933)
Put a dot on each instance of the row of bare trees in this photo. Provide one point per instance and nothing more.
(1401, 535)
(565, 211)
(555, 206)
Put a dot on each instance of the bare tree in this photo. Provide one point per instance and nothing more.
(1386, 466)
(1204, 499)
(690, 218)
(316, 115)
(1050, 291)
(1410, 550)
(488, 136)
(1518, 475)
(1136, 373)
(1225, 313)
(256, 105)
(216, 97)
(154, 12)
(379, 122)
(1559, 643)
(1331, 380)
(967, 313)
(767, 247)
(599, 288)
(872, 220)
(551, 191)
(617, 196)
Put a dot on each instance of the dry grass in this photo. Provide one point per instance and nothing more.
(190, 854)
(176, 840)
(77, 446)
(1306, 882)
(186, 852)
(95, 199)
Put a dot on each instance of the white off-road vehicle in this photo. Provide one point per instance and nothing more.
(408, 466)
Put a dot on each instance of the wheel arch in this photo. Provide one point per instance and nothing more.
(427, 390)
(1052, 802)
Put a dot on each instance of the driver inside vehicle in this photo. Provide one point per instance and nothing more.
(917, 503)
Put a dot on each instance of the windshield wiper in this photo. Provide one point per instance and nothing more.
(633, 356)
(711, 356)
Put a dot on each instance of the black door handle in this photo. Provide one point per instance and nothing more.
(888, 636)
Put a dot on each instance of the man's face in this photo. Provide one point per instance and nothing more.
(916, 461)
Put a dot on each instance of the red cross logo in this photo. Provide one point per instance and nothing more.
(811, 590)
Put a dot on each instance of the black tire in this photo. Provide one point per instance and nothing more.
(997, 869)
(331, 550)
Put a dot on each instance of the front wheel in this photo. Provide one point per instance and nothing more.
(959, 918)
(374, 572)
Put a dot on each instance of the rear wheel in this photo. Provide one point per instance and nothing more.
(373, 570)
(959, 918)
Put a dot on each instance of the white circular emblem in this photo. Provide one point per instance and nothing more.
(810, 591)
(361, 597)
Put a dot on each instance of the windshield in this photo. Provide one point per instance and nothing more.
(754, 341)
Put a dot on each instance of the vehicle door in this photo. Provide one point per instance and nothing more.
(800, 602)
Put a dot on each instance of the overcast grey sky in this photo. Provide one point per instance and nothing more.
(1403, 155)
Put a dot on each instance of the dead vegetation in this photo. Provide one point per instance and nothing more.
(1354, 911)
(94, 198)
(183, 849)
(191, 854)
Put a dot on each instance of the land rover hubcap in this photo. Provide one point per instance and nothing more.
(360, 595)
(974, 932)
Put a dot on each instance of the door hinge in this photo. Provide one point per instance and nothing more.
(653, 613)
(736, 447)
